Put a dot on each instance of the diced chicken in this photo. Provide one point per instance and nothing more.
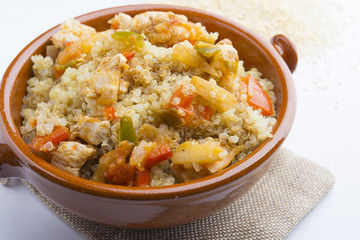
(162, 28)
(111, 163)
(70, 31)
(106, 81)
(115, 63)
(226, 60)
(71, 156)
(227, 50)
(92, 130)
(106, 85)
(121, 21)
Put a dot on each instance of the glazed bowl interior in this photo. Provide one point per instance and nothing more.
(254, 51)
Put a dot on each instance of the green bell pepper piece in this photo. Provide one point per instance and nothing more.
(127, 130)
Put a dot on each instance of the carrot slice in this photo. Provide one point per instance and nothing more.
(258, 97)
(57, 135)
(67, 58)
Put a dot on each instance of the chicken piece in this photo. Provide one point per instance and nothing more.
(226, 60)
(71, 156)
(106, 81)
(228, 54)
(115, 63)
(121, 21)
(111, 163)
(92, 130)
(162, 28)
(70, 31)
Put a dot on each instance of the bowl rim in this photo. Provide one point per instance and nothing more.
(30, 160)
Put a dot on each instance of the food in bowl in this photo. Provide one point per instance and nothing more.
(155, 100)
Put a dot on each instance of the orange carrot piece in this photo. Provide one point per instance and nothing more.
(71, 52)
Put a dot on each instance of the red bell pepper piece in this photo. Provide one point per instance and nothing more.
(128, 55)
(189, 114)
(158, 154)
(206, 114)
(143, 178)
(258, 97)
(57, 135)
(184, 104)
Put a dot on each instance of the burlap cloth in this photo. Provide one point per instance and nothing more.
(288, 191)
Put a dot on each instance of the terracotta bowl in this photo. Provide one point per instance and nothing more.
(154, 207)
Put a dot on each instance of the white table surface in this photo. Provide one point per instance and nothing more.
(326, 129)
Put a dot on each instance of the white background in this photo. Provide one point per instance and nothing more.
(326, 129)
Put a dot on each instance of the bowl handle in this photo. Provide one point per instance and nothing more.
(286, 49)
(9, 163)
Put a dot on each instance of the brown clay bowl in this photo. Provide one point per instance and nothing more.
(139, 207)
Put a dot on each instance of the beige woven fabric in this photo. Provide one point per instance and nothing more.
(4, 181)
(287, 192)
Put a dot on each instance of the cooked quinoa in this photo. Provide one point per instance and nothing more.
(155, 100)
